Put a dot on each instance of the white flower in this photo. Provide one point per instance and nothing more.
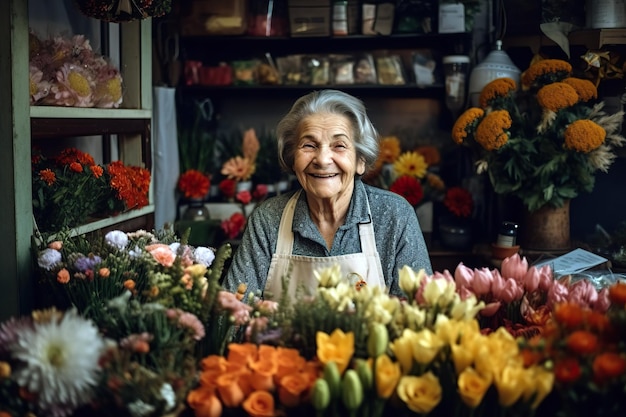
(204, 255)
(409, 280)
(117, 239)
(136, 252)
(120, 302)
(168, 394)
(175, 246)
(328, 277)
(48, 258)
(140, 409)
(60, 360)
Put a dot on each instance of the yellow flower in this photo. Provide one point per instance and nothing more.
(509, 385)
(426, 346)
(402, 349)
(410, 163)
(498, 88)
(389, 149)
(409, 280)
(472, 387)
(557, 96)
(328, 277)
(543, 381)
(466, 123)
(337, 347)
(491, 132)
(584, 136)
(421, 394)
(462, 357)
(439, 292)
(238, 168)
(585, 89)
(79, 83)
(387, 376)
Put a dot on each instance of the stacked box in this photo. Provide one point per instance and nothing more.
(309, 17)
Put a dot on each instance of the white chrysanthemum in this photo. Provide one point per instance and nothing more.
(117, 239)
(168, 394)
(204, 255)
(60, 360)
(140, 409)
(48, 258)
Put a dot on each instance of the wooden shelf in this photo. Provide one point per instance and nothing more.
(590, 38)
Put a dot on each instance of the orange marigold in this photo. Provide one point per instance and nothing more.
(76, 167)
(96, 170)
(582, 342)
(492, 133)
(48, 176)
(546, 71)
(585, 89)
(584, 136)
(500, 87)
(464, 124)
(608, 365)
(557, 96)
(617, 293)
(570, 315)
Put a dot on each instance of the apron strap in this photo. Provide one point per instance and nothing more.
(284, 245)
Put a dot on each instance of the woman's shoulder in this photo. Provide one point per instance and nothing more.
(272, 207)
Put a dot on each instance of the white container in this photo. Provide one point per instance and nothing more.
(605, 14)
(497, 64)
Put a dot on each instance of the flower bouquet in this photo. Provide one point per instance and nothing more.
(68, 72)
(70, 187)
(543, 141)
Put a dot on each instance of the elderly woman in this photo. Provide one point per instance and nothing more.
(328, 142)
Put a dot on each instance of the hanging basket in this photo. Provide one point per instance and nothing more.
(117, 11)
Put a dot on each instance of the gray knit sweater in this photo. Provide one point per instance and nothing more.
(399, 240)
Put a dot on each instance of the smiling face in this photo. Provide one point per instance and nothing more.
(325, 160)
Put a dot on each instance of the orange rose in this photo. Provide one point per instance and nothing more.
(292, 387)
(582, 342)
(260, 404)
(608, 365)
(213, 362)
(229, 390)
(162, 253)
(262, 376)
(289, 361)
(337, 347)
(242, 352)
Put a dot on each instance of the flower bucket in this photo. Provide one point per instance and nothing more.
(547, 228)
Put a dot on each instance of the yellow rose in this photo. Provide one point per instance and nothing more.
(387, 376)
(461, 357)
(472, 387)
(421, 394)
(426, 346)
(337, 347)
(402, 348)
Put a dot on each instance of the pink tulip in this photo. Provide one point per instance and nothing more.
(482, 281)
(603, 303)
(465, 293)
(514, 267)
(497, 284)
(512, 291)
(531, 279)
(490, 309)
(557, 293)
(443, 275)
(463, 276)
(583, 292)
(546, 278)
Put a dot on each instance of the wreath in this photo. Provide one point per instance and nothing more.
(123, 10)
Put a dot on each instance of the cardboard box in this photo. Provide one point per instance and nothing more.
(214, 17)
(309, 20)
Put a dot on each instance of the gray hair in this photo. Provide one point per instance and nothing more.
(366, 137)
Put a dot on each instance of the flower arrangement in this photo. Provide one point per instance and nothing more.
(193, 184)
(234, 225)
(543, 142)
(411, 174)
(123, 11)
(242, 167)
(70, 187)
(68, 72)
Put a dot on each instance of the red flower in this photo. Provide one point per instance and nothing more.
(228, 187)
(260, 192)
(194, 184)
(244, 197)
(234, 225)
(459, 201)
(567, 370)
(48, 176)
(76, 167)
(409, 188)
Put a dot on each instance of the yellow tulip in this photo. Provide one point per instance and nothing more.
(337, 347)
(426, 346)
(509, 386)
(421, 394)
(461, 357)
(543, 380)
(402, 348)
(410, 281)
(387, 376)
(472, 387)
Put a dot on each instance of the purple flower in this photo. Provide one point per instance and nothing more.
(85, 263)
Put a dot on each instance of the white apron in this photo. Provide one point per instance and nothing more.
(297, 270)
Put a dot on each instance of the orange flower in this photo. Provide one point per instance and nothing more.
(229, 389)
(570, 315)
(250, 146)
(585, 89)
(76, 167)
(129, 284)
(63, 276)
(213, 363)
(465, 123)
(104, 272)
(582, 342)
(567, 370)
(430, 153)
(204, 402)
(491, 132)
(546, 71)
(262, 377)
(337, 347)
(498, 88)
(260, 404)
(162, 253)
(584, 136)
(96, 171)
(48, 176)
(556, 96)
(617, 293)
(242, 353)
(238, 168)
(292, 387)
(194, 184)
(390, 149)
(608, 365)
(288, 360)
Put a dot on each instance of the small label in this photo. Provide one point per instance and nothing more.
(451, 18)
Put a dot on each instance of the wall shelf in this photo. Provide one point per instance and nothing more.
(590, 38)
